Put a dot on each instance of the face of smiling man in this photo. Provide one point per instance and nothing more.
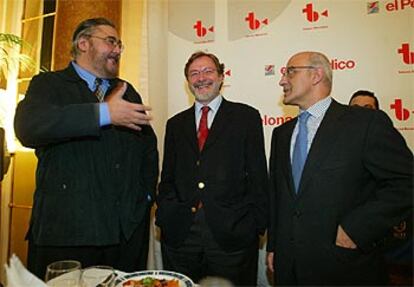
(204, 80)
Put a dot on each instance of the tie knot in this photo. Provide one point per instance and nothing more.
(205, 109)
(98, 82)
(303, 117)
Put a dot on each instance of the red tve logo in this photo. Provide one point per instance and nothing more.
(255, 23)
(201, 31)
(407, 55)
(401, 113)
(311, 14)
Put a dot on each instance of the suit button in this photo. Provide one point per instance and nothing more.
(198, 163)
(201, 185)
(193, 209)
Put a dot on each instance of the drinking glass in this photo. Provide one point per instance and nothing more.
(99, 275)
(64, 273)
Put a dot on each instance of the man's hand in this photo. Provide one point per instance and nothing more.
(343, 240)
(124, 113)
(269, 261)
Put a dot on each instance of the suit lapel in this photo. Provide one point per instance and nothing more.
(322, 143)
(286, 161)
(220, 122)
(189, 125)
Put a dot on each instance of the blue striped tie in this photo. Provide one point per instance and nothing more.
(300, 151)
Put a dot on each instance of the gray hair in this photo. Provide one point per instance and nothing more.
(320, 60)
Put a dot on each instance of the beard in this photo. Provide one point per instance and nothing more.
(208, 95)
(106, 64)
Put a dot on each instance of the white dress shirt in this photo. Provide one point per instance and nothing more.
(317, 112)
(213, 105)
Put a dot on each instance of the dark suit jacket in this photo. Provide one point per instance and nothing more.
(92, 183)
(232, 168)
(359, 174)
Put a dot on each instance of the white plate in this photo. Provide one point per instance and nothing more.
(184, 281)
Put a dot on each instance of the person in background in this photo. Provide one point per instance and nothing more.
(336, 190)
(213, 198)
(399, 244)
(364, 99)
(97, 158)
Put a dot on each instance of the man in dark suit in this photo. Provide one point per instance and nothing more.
(398, 245)
(340, 178)
(212, 202)
(97, 158)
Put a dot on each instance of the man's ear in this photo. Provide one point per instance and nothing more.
(83, 44)
(317, 75)
(221, 77)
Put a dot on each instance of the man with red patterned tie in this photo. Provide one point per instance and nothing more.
(213, 200)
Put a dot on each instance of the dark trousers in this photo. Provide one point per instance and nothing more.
(349, 274)
(128, 256)
(200, 256)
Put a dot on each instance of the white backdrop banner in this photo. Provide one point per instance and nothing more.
(370, 45)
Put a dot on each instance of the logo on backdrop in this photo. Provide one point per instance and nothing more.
(269, 120)
(255, 23)
(227, 74)
(401, 113)
(407, 57)
(313, 16)
(397, 5)
(373, 7)
(390, 6)
(269, 70)
(201, 31)
(407, 54)
(336, 65)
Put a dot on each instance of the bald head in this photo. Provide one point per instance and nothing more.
(307, 79)
(318, 59)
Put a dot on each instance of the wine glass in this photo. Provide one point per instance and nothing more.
(64, 273)
(99, 275)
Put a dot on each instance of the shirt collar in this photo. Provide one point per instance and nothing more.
(87, 76)
(320, 108)
(213, 105)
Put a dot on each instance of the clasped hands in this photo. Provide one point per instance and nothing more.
(124, 113)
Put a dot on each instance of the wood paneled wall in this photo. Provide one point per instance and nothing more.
(24, 168)
(70, 13)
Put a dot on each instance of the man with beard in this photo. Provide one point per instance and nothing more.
(212, 202)
(340, 178)
(97, 158)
